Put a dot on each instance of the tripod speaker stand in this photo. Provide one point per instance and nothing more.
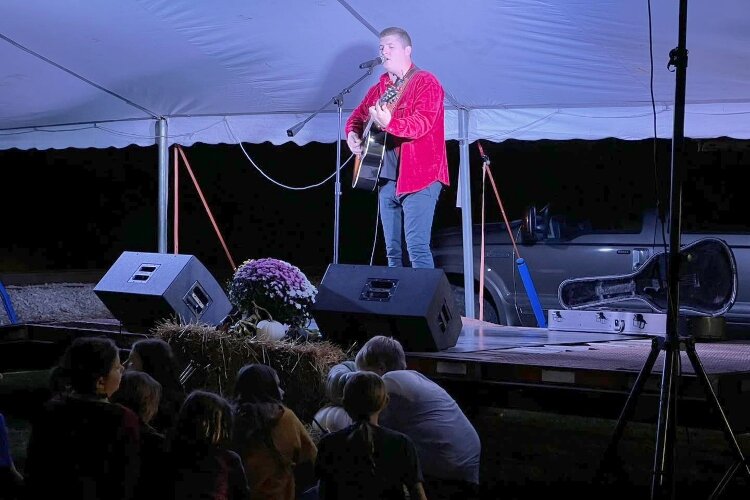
(662, 482)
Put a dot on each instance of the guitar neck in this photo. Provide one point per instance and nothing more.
(385, 99)
(367, 127)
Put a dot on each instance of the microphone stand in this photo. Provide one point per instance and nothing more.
(338, 100)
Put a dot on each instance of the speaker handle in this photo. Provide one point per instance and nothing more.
(379, 289)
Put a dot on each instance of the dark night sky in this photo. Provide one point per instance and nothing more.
(80, 208)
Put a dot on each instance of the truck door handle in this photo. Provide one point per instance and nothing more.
(640, 255)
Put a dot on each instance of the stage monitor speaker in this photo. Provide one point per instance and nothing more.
(142, 288)
(414, 306)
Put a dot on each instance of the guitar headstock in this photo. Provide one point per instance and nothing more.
(390, 95)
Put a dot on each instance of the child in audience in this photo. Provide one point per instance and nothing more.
(155, 357)
(273, 443)
(448, 445)
(141, 393)
(203, 468)
(83, 446)
(364, 460)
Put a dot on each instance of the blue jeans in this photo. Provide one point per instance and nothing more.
(411, 213)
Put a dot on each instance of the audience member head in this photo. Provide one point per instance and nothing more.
(140, 392)
(205, 420)
(155, 357)
(364, 398)
(364, 395)
(92, 366)
(258, 383)
(258, 395)
(381, 355)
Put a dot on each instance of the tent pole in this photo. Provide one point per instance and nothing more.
(161, 139)
(339, 101)
(464, 201)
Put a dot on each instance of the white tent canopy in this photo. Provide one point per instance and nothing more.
(99, 73)
(106, 73)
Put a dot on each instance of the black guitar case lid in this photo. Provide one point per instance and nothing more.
(707, 281)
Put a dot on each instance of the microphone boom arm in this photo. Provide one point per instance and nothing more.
(338, 98)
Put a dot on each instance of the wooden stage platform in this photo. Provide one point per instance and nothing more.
(580, 373)
(584, 373)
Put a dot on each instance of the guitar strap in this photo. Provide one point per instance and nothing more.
(402, 86)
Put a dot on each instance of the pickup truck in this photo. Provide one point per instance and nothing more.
(557, 247)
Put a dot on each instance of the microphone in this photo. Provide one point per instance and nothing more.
(372, 62)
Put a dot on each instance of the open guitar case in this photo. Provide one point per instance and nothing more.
(707, 281)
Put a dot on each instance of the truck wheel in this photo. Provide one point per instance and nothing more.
(490, 313)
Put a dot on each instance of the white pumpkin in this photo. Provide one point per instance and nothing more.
(270, 330)
(332, 418)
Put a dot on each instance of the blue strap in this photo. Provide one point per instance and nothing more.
(8, 305)
(5, 459)
(523, 270)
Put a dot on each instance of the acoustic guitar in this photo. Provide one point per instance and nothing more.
(367, 165)
(707, 282)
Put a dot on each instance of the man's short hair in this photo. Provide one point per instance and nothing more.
(400, 32)
(384, 353)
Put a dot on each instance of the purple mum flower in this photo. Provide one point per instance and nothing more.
(275, 285)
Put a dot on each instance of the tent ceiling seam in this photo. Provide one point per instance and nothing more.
(359, 18)
(93, 123)
(80, 77)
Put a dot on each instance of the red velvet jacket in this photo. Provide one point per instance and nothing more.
(418, 127)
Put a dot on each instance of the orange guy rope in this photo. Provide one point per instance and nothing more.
(497, 196)
(520, 262)
(205, 205)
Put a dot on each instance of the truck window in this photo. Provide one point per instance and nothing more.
(573, 223)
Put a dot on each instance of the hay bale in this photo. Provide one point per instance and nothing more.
(302, 366)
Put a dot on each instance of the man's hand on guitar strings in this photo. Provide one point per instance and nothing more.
(380, 114)
(354, 142)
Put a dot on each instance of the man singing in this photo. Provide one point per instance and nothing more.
(415, 165)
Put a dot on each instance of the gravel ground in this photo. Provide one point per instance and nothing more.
(54, 302)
